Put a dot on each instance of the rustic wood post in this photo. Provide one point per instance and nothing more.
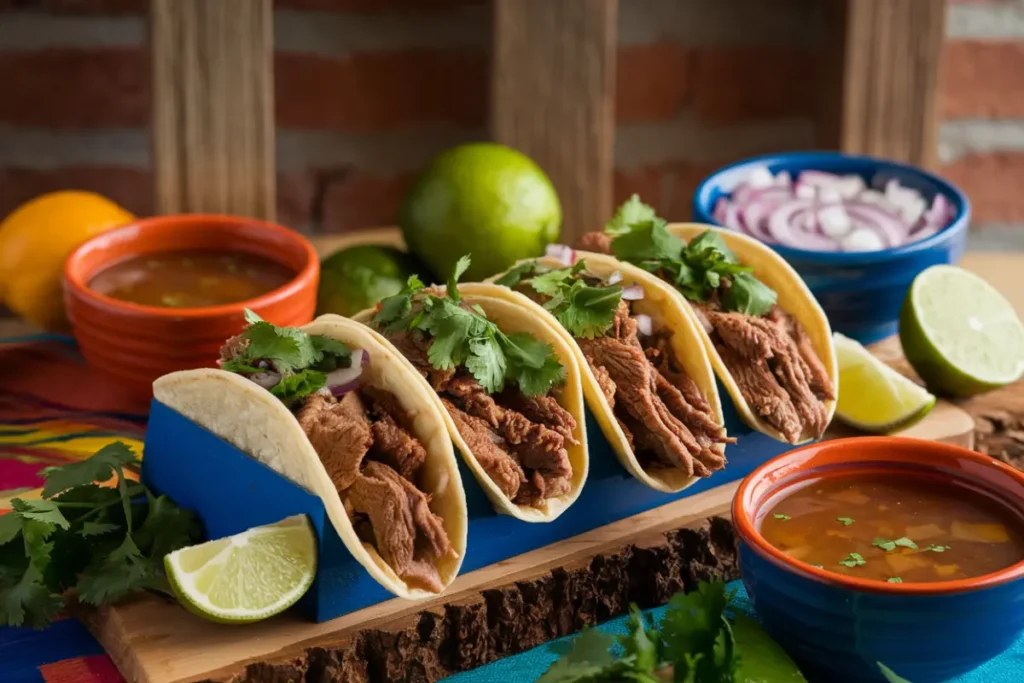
(213, 106)
(881, 79)
(553, 97)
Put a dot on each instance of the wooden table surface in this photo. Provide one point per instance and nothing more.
(999, 415)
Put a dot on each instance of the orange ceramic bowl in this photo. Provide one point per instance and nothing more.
(135, 344)
(838, 627)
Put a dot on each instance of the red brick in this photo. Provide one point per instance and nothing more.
(130, 187)
(75, 88)
(374, 5)
(652, 82)
(733, 84)
(667, 187)
(992, 182)
(982, 79)
(352, 202)
(378, 91)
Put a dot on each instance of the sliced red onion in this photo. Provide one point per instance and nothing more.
(342, 389)
(565, 255)
(344, 376)
(615, 278)
(633, 293)
(266, 379)
(644, 324)
(823, 211)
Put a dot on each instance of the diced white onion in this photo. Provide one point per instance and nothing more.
(266, 379)
(615, 278)
(644, 324)
(633, 293)
(343, 376)
(565, 254)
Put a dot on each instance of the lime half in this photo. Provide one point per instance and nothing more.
(960, 334)
(246, 577)
(872, 396)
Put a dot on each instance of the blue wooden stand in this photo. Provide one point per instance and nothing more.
(232, 492)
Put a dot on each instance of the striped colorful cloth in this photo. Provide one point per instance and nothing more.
(55, 409)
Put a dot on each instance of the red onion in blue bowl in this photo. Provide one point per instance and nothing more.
(857, 229)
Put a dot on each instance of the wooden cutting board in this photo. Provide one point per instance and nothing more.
(153, 641)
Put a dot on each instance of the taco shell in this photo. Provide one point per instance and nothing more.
(509, 317)
(793, 297)
(255, 421)
(662, 305)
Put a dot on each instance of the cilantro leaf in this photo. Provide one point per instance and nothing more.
(748, 295)
(293, 387)
(697, 636)
(853, 560)
(845, 521)
(631, 212)
(487, 363)
(894, 579)
(453, 282)
(781, 517)
(647, 240)
(587, 657)
(394, 310)
(515, 274)
(905, 542)
(88, 537)
(532, 363)
(643, 643)
(100, 467)
(884, 544)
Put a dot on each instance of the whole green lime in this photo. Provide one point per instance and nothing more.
(357, 278)
(482, 199)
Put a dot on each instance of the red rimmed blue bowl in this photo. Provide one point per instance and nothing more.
(839, 626)
(860, 291)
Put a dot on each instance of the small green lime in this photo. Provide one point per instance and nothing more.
(482, 199)
(959, 333)
(762, 660)
(357, 278)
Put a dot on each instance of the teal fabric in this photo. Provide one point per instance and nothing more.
(529, 665)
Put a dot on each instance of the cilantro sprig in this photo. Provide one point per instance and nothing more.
(693, 643)
(102, 541)
(585, 310)
(464, 337)
(301, 359)
(698, 269)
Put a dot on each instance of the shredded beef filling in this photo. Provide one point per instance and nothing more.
(660, 409)
(374, 460)
(519, 441)
(770, 358)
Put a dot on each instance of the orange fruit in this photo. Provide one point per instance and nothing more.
(35, 241)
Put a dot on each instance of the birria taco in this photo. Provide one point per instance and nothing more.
(509, 385)
(767, 337)
(335, 409)
(646, 375)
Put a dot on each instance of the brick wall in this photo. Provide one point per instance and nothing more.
(375, 87)
(982, 134)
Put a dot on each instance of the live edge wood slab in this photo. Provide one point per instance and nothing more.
(485, 615)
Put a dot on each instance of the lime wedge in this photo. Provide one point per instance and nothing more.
(960, 334)
(872, 396)
(246, 577)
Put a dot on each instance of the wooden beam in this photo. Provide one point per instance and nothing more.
(213, 106)
(553, 96)
(881, 78)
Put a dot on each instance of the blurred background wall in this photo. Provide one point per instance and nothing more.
(368, 90)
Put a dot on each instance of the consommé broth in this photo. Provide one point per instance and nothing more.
(900, 529)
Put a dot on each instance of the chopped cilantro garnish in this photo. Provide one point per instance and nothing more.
(894, 579)
(301, 359)
(845, 521)
(904, 542)
(884, 544)
(584, 310)
(464, 337)
(853, 560)
(103, 541)
(937, 548)
(695, 269)
(782, 517)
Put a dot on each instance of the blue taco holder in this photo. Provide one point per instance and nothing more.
(232, 492)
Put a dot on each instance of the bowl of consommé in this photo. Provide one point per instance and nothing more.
(163, 293)
(882, 549)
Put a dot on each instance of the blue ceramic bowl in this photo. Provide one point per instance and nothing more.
(860, 292)
(838, 627)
